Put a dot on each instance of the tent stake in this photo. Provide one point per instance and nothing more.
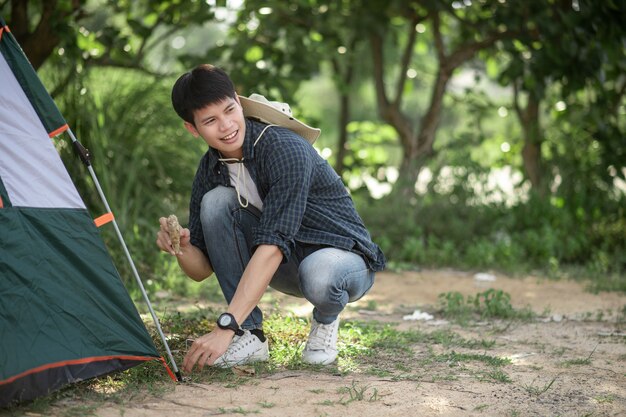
(85, 157)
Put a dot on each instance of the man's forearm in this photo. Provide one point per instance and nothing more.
(194, 263)
(255, 280)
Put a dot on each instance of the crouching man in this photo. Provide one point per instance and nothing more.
(265, 210)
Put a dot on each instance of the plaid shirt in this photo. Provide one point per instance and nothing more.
(304, 200)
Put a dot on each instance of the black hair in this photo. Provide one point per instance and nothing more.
(200, 87)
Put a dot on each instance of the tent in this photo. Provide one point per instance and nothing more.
(65, 315)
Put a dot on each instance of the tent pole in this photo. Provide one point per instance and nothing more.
(85, 159)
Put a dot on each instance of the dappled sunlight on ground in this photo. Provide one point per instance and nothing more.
(570, 359)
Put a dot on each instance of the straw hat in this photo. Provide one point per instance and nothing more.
(273, 112)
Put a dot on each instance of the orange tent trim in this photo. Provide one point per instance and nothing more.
(169, 371)
(104, 219)
(76, 362)
(3, 29)
(58, 131)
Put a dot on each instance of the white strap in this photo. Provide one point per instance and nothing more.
(241, 167)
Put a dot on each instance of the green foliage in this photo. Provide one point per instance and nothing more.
(489, 304)
(566, 54)
(369, 150)
(537, 391)
(358, 392)
(377, 346)
(451, 225)
(453, 357)
(144, 161)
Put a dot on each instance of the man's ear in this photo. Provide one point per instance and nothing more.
(191, 129)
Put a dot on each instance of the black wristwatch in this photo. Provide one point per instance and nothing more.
(227, 321)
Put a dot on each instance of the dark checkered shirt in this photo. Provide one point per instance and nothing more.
(304, 200)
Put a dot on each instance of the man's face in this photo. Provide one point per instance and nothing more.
(222, 126)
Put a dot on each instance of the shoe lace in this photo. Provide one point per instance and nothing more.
(239, 342)
(321, 336)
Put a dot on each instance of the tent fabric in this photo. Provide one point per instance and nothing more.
(65, 315)
(48, 112)
(36, 177)
(31, 385)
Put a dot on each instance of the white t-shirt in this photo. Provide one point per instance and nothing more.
(242, 181)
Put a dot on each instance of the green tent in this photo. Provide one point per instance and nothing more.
(65, 315)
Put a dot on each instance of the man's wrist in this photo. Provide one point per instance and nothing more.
(227, 321)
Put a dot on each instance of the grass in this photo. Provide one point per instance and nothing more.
(365, 347)
(580, 361)
(537, 391)
(453, 358)
(490, 304)
(605, 399)
(369, 347)
(358, 392)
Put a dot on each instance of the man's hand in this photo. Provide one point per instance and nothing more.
(164, 241)
(206, 349)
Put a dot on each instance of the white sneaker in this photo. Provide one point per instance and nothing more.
(321, 348)
(243, 350)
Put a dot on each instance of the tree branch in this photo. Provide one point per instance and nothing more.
(379, 71)
(618, 98)
(468, 50)
(40, 43)
(19, 18)
(106, 61)
(452, 12)
(43, 27)
(406, 59)
(439, 45)
(516, 105)
(159, 39)
(61, 86)
(389, 113)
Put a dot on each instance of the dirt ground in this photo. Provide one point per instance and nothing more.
(571, 361)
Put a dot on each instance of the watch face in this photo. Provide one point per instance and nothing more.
(225, 320)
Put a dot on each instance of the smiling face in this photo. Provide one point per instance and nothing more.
(222, 126)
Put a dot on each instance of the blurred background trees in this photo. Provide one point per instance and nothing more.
(472, 134)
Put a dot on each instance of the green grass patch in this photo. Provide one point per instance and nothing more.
(364, 347)
(538, 390)
(482, 367)
(490, 304)
(453, 358)
(605, 399)
(579, 361)
(358, 392)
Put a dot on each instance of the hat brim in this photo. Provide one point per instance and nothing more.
(268, 114)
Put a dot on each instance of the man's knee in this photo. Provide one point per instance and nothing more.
(217, 202)
(320, 276)
(334, 274)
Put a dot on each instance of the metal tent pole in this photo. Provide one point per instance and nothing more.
(85, 157)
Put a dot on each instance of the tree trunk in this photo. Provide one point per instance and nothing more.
(344, 108)
(533, 138)
(342, 145)
(418, 146)
(39, 43)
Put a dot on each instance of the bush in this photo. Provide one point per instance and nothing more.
(144, 161)
(547, 235)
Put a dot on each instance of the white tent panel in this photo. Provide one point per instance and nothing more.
(30, 167)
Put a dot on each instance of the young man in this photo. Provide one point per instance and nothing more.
(265, 210)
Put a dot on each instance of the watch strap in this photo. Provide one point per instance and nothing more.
(234, 326)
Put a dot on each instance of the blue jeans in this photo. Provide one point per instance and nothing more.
(327, 277)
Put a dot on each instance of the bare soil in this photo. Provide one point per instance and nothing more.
(570, 361)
